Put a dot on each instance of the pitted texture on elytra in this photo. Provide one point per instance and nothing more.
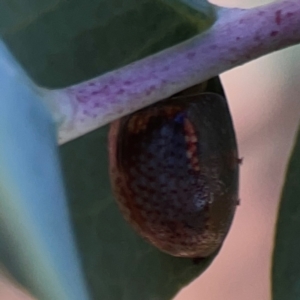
(167, 182)
(161, 176)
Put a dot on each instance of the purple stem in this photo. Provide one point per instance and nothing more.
(239, 36)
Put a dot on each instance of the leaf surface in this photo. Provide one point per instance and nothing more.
(62, 42)
(118, 263)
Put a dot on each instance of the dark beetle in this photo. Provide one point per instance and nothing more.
(174, 171)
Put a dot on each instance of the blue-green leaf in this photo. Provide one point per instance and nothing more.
(36, 241)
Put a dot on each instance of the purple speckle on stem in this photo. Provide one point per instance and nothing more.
(278, 17)
(274, 33)
(127, 82)
(120, 92)
(166, 68)
(257, 38)
(191, 55)
(82, 99)
(104, 90)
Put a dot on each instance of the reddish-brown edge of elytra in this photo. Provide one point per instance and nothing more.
(210, 169)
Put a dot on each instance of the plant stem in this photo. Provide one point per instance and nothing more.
(239, 36)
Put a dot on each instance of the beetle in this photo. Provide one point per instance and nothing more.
(174, 171)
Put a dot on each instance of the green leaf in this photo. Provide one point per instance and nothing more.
(118, 263)
(63, 42)
(286, 263)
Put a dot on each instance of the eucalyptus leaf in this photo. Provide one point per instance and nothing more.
(286, 263)
(118, 263)
(63, 42)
